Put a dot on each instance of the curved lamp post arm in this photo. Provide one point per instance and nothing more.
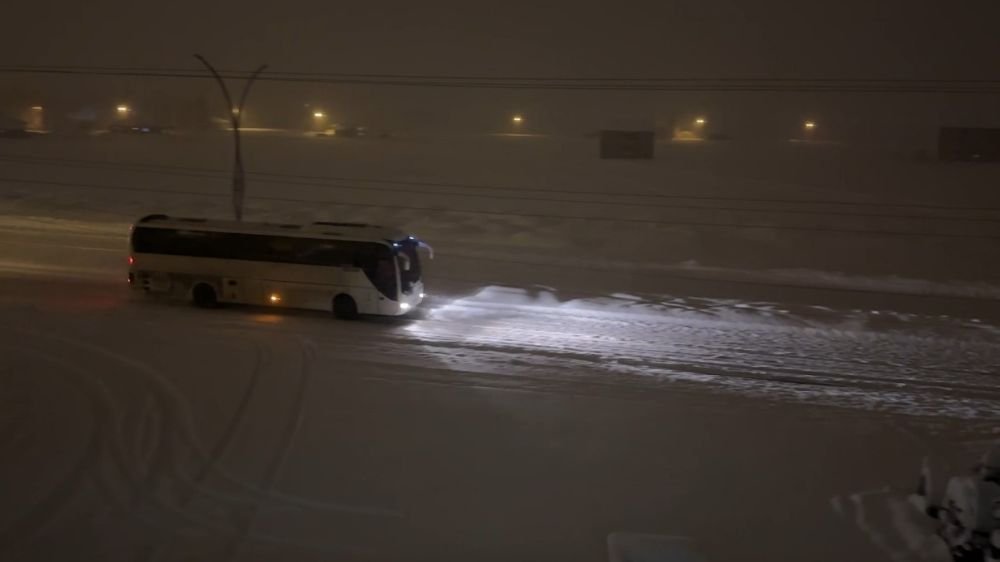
(235, 113)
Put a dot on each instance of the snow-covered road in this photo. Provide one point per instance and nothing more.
(870, 359)
(484, 427)
(543, 399)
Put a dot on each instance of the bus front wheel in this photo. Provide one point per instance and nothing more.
(204, 296)
(345, 308)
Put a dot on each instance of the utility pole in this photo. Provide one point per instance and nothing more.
(235, 113)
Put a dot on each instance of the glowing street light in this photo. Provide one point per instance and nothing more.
(517, 119)
(700, 121)
(36, 108)
(319, 114)
(122, 109)
(809, 125)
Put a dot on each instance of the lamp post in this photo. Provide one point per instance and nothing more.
(235, 116)
(699, 127)
(319, 120)
(36, 118)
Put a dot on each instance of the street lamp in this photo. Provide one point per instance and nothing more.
(319, 123)
(517, 119)
(122, 110)
(36, 119)
(700, 121)
(809, 125)
(239, 176)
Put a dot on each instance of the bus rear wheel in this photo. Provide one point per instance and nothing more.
(345, 308)
(203, 295)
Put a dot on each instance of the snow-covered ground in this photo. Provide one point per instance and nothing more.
(567, 380)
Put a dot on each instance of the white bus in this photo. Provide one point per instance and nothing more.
(347, 268)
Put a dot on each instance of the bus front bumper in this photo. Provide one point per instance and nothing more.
(409, 302)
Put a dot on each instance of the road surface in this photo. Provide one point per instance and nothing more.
(501, 422)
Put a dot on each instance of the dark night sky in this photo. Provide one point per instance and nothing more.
(704, 38)
(713, 37)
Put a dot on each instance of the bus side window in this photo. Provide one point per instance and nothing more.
(310, 252)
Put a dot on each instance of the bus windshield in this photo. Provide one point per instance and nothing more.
(409, 267)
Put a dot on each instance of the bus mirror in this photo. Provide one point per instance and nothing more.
(425, 246)
(404, 262)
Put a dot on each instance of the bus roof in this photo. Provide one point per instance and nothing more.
(319, 229)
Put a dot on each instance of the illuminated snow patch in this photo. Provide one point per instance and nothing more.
(748, 348)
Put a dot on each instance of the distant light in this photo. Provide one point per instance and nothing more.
(131, 260)
(404, 306)
(700, 121)
(36, 108)
(319, 115)
(809, 125)
(122, 109)
(275, 298)
(422, 295)
(517, 119)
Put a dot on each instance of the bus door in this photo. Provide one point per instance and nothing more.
(385, 278)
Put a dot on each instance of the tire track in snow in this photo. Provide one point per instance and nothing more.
(29, 526)
(108, 444)
(246, 519)
(261, 357)
(178, 431)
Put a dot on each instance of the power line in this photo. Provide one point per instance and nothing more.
(831, 230)
(516, 78)
(143, 167)
(765, 85)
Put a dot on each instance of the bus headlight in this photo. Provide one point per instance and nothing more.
(404, 306)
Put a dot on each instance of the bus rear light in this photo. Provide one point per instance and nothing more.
(131, 260)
